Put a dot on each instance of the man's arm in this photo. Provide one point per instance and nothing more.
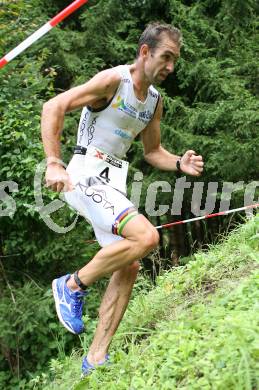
(159, 157)
(100, 88)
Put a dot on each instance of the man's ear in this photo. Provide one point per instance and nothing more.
(144, 50)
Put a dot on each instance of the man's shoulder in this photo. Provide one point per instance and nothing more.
(153, 92)
(111, 76)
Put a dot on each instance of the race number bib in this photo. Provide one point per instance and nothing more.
(110, 169)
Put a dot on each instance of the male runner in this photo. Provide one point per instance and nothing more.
(118, 104)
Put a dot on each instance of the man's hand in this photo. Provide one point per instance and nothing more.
(191, 164)
(57, 178)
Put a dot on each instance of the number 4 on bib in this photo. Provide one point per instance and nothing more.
(105, 175)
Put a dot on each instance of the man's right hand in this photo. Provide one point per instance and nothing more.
(57, 178)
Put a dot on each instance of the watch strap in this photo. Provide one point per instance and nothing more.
(178, 165)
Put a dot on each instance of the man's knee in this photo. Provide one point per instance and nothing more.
(150, 239)
(134, 268)
(144, 235)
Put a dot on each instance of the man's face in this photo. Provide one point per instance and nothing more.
(161, 61)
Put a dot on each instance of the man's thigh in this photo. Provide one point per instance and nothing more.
(106, 208)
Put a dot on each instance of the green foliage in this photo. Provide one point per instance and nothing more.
(210, 105)
(30, 333)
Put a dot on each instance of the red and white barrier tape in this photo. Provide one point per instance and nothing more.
(41, 31)
(167, 225)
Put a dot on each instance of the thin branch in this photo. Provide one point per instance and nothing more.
(7, 282)
(15, 254)
(17, 337)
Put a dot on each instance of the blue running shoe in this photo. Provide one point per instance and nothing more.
(69, 305)
(87, 368)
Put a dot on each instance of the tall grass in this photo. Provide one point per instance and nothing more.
(198, 329)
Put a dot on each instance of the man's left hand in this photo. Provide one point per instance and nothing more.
(191, 163)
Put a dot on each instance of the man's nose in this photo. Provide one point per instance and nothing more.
(170, 67)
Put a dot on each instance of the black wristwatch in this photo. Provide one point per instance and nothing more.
(178, 165)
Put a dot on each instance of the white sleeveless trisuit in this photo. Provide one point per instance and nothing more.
(98, 173)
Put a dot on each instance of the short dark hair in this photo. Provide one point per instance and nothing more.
(151, 35)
